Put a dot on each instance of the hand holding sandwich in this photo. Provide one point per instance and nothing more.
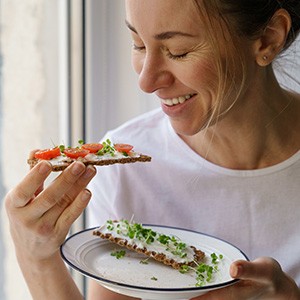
(40, 220)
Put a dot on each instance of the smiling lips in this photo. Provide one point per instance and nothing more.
(175, 101)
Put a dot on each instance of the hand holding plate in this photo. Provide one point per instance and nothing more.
(262, 279)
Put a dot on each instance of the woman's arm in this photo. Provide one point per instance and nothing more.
(94, 290)
(49, 279)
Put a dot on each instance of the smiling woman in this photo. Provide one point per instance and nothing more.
(225, 144)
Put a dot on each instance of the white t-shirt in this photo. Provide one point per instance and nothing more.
(257, 210)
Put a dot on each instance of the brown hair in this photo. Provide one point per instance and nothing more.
(250, 17)
(231, 22)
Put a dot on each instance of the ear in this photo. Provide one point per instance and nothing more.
(273, 38)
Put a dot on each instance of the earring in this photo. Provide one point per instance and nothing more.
(265, 57)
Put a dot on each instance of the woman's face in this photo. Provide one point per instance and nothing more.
(174, 60)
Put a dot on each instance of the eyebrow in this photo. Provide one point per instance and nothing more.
(163, 35)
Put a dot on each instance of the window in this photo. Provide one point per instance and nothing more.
(32, 104)
(65, 75)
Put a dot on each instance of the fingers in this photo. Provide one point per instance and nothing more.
(25, 190)
(263, 270)
(82, 182)
(57, 227)
(73, 211)
(71, 194)
(63, 189)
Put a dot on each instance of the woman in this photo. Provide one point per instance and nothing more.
(225, 150)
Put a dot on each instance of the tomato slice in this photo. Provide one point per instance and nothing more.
(47, 154)
(93, 147)
(76, 152)
(123, 147)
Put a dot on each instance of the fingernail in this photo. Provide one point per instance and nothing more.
(44, 168)
(77, 168)
(236, 271)
(90, 171)
(86, 195)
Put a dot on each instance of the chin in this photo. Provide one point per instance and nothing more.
(186, 129)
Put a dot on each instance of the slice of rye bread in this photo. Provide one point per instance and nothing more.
(64, 164)
(198, 255)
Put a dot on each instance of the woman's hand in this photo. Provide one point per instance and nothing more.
(261, 279)
(39, 222)
(40, 219)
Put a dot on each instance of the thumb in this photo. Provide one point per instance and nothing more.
(262, 269)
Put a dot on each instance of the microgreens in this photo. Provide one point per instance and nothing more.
(215, 258)
(107, 148)
(145, 261)
(118, 254)
(163, 239)
(62, 148)
(204, 272)
(110, 225)
(148, 236)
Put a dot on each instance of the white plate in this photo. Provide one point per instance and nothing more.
(91, 256)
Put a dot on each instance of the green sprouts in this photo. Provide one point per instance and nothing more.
(204, 272)
(118, 254)
(108, 148)
(148, 236)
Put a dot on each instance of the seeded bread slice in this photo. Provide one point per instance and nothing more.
(65, 163)
(128, 243)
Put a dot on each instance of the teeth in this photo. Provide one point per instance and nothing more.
(175, 101)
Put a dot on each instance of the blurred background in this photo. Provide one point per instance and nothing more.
(65, 75)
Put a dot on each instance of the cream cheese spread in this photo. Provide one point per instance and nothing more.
(145, 238)
(106, 156)
(62, 159)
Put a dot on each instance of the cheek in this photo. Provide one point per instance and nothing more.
(205, 75)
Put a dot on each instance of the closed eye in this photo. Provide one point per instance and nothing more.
(168, 53)
(176, 56)
(138, 48)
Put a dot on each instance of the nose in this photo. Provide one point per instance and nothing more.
(154, 74)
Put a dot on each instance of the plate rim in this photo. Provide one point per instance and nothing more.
(152, 289)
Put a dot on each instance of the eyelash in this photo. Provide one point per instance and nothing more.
(177, 56)
(169, 54)
(137, 48)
